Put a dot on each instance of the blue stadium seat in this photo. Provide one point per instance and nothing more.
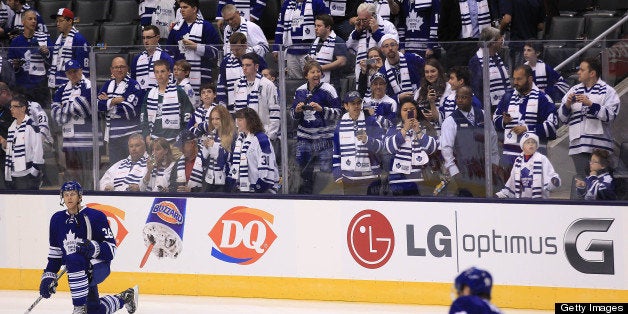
(119, 36)
(565, 29)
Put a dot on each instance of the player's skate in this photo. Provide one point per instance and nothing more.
(130, 298)
(80, 309)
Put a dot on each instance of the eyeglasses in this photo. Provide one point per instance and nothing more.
(390, 45)
(148, 37)
(16, 106)
(119, 67)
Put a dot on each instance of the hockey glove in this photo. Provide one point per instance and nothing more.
(89, 249)
(48, 284)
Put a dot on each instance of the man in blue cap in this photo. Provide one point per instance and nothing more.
(71, 109)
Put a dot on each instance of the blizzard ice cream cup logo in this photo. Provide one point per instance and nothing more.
(115, 216)
(168, 212)
(242, 235)
(163, 232)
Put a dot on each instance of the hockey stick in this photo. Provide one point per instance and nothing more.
(40, 297)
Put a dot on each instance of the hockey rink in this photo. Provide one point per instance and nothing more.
(18, 301)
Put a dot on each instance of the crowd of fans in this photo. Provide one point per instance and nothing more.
(414, 119)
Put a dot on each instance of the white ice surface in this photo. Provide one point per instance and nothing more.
(60, 303)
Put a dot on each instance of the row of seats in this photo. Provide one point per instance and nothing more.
(583, 27)
(114, 35)
(584, 5)
(92, 11)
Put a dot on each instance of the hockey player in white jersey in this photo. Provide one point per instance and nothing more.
(80, 239)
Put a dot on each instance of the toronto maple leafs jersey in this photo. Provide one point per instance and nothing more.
(66, 231)
(472, 304)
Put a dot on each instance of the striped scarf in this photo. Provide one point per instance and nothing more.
(298, 23)
(365, 43)
(233, 72)
(410, 155)
(62, 54)
(16, 149)
(247, 95)
(229, 31)
(196, 177)
(529, 117)
(541, 78)
(528, 177)
(129, 172)
(325, 54)
(398, 77)
(354, 155)
(144, 69)
(168, 111)
(217, 161)
(195, 35)
(239, 164)
(498, 76)
(383, 8)
(122, 126)
(484, 17)
(160, 178)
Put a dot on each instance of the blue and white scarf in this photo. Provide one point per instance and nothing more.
(63, 53)
(144, 69)
(247, 93)
(354, 155)
(484, 17)
(398, 78)
(196, 177)
(129, 172)
(325, 55)
(168, 111)
(195, 35)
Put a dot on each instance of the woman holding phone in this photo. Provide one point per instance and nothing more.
(159, 167)
(409, 146)
(433, 90)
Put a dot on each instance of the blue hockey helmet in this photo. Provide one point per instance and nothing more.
(71, 186)
(478, 280)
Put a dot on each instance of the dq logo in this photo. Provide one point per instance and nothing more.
(243, 235)
(168, 212)
(370, 239)
(115, 216)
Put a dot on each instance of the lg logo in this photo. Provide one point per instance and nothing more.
(606, 265)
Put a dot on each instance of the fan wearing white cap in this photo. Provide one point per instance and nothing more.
(532, 175)
(70, 45)
(402, 70)
(379, 104)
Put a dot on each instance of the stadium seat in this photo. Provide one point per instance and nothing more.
(575, 5)
(92, 11)
(124, 11)
(49, 7)
(119, 36)
(565, 28)
(596, 25)
(90, 32)
(268, 21)
(208, 9)
(612, 5)
(556, 55)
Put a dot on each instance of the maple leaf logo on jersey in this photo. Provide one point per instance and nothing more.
(70, 242)
(414, 21)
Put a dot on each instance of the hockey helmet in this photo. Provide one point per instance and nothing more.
(478, 280)
(71, 186)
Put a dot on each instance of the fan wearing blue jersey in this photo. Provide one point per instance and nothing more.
(473, 288)
(81, 239)
(71, 109)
